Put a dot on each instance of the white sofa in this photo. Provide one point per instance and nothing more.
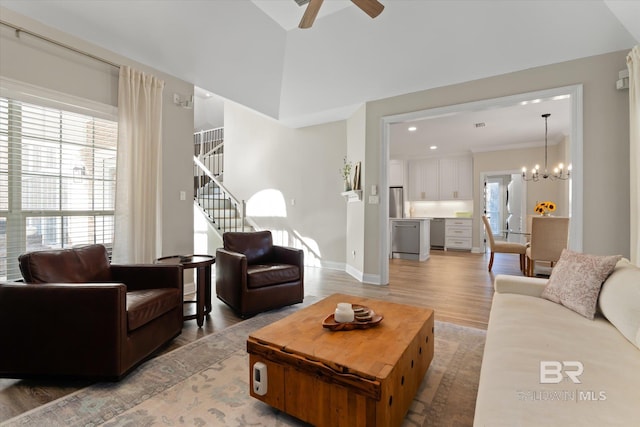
(526, 330)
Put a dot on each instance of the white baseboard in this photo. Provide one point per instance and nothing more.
(354, 272)
(333, 265)
(372, 279)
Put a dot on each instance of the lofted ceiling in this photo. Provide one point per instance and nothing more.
(287, 13)
(251, 51)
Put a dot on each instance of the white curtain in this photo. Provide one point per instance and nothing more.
(138, 172)
(633, 63)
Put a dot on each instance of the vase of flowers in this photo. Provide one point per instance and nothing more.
(345, 173)
(545, 208)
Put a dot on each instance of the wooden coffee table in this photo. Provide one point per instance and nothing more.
(351, 378)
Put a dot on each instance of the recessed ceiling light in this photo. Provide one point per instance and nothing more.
(433, 147)
(412, 129)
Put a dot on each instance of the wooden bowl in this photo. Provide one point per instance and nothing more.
(330, 323)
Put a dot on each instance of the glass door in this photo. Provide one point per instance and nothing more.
(504, 206)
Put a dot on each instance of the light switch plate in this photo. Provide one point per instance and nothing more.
(374, 200)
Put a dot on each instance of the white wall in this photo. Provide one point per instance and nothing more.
(208, 113)
(39, 63)
(301, 167)
(356, 149)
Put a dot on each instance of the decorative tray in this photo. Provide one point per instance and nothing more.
(369, 319)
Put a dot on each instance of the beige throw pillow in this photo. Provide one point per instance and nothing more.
(576, 280)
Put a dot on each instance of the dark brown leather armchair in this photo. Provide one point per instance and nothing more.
(253, 275)
(79, 316)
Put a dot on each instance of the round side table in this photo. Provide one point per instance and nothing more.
(202, 264)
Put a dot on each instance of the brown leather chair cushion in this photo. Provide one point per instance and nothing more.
(256, 246)
(148, 304)
(81, 265)
(261, 275)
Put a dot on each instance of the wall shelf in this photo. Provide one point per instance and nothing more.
(353, 195)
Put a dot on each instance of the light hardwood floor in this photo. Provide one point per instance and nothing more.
(456, 285)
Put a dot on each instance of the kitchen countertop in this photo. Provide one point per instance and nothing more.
(428, 217)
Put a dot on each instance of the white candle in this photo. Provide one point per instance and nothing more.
(344, 313)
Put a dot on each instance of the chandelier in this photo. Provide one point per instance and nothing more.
(558, 173)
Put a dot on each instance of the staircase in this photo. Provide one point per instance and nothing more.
(222, 209)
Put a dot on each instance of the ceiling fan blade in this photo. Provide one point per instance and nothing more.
(372, 8)
(310, 14)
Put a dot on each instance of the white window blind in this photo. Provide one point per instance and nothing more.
(57, 180)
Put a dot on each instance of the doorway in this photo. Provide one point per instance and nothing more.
(505, 206)
(574, 93)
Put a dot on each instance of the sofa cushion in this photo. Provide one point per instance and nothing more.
(79, 265)
(619, 300)
(576, 280)
(261, 275)
(146, 305)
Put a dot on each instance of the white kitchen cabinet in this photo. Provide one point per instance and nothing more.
(456, 178)
(458, 233)
(396, 173)
(449, 178)
(423, 180)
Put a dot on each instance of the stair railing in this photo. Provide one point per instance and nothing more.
(225, 212)
(209, 148)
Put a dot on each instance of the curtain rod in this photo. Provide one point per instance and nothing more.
(57, 43)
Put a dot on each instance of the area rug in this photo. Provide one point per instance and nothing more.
(206, 383)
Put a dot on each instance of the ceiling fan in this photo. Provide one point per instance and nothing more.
(372, 8)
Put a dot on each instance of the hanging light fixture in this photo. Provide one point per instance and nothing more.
(558, 172)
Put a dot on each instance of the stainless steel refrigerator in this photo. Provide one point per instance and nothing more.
(396, 202)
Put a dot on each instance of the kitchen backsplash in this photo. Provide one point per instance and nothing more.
(439, 209)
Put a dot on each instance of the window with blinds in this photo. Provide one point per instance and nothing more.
(57, 181)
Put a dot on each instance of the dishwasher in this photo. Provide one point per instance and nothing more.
(405, 239)
(437, 233)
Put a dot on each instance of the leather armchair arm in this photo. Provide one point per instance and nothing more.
(231, 276)
(286, 255)
(50, 326)
(148, 276)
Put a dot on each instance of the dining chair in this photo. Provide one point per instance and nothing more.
(529, 222)
(549, 236)
(503, 247)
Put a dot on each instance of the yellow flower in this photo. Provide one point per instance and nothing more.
(545, 207)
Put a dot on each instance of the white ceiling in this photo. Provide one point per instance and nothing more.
(251, 51)
(512, 127)
(287, 13)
